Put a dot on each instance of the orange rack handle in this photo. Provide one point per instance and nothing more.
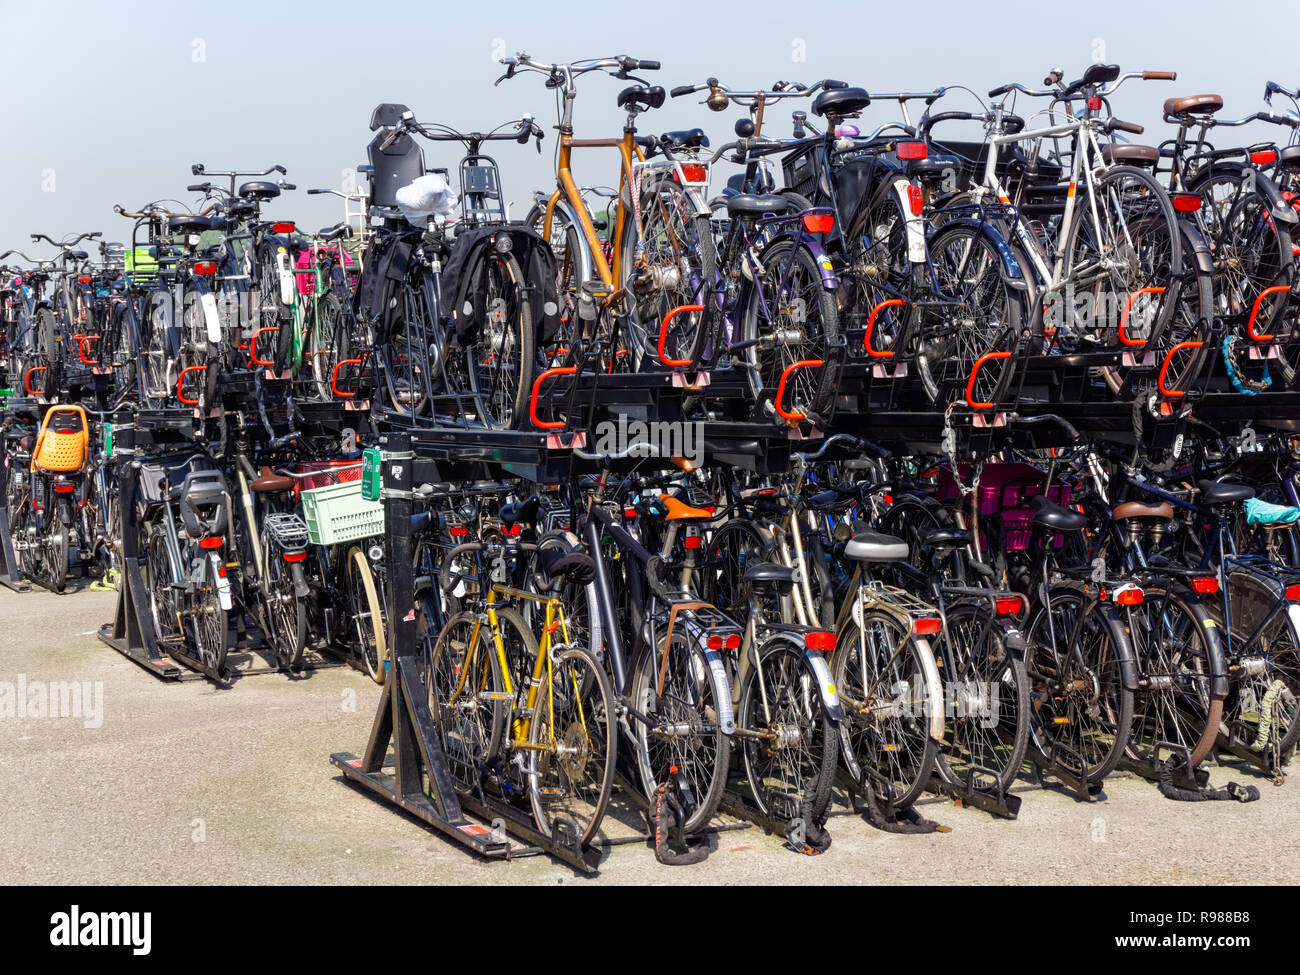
(27, 381)
(975, 371)
(1128, 307)
(253, 360)
(871, 326)
(334, 377)
(537, 388)
(663, 335)
(1164, 368)
(792, 416)
(180, 382)
(1254, 312)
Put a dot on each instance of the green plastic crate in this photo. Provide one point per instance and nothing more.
(337, 513)
(140, 263)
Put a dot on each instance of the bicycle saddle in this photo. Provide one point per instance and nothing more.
(749, 205)
(838, 103)
(685, 139)
(1219, 492)
(335, 232)
(759, 574)
(259, 189)
(942, 538)
(1054, 518)
(869, 546)
(678, 510)
(1135, 509)
(1289, 158)
(1119, 152)
(576, 567)
(1193, 105)
(268, 481)
(639, 96)
(521, 512)
(188, 223)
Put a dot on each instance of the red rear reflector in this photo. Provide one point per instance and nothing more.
(693, 541)
(819, 223)
(1205, 585)
(1187, 202)
(458, 531)
(716, 642)
(1293, 591)
(65, 488)
(1129, 595)
(695, 172)
(85, 280)
(733, 641)
(911, 150)
(282, 228)
(629, 512)
(205, 267)
(1094, 103)
(928, 626)
(821, 640)
(512, 530)
(915, 200)
(887, 498)
(294, 556)
(1007, 605)
(1263, 158)
(210, 543)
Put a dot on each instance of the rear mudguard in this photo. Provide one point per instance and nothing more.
(1009, 267)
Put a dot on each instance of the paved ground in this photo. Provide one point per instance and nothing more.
(190, 784)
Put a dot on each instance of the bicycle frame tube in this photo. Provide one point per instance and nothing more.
(628, 149)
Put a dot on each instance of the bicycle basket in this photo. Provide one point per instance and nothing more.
(337, 513)
(799, 170)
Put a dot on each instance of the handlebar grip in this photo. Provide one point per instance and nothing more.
(288, 186)
(314, 192)
(648, 65)
(196, 188)
(1121, 126)
(1159, 75)
(1000, 90)
(682, 90)
(833, 83)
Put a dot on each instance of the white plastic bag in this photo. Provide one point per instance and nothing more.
(427, 196)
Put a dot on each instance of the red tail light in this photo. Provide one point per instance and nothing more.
(205, 267)
(210, 543)
(717, 642)
(819, 223)
(510, 530)
(65, 488)
(1187, 202)
(629, 512)
(928, 626)
(916, 200)
(1129, 595)
(84, 280)
(282, 228)
(733, 641)
(821, 640)
(693, 541)
(294, 556)
(1263, 158)
(1293, 591)
(1094, 103)
(695, 172)
(1006, 605)
(1205, 585)
(912, 150)
(458, 531)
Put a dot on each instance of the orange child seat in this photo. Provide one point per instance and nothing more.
(678, 509)
(63, 443)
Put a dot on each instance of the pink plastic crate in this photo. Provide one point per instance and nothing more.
(307, 261)
(1004, 491)
(326, 472)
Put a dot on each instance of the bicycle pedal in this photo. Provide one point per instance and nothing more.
(494, 695)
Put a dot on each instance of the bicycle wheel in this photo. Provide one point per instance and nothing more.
(880, 674)
(733, 546)
(876, 269)
(670, 263)
(367, 614)
(1082, 712)
(283, 613)
(794, 314)
(1176, 662)
(467, 696)
(208, 622)
(575, 745)
(55, 547)
(791, 767)
(581, 603)
(573, 266)
(1262, 710)
(983, 314)
(686, 731)
(327, 341)
(500, 357)
(988, 725)
(272, 312)
(164, 609)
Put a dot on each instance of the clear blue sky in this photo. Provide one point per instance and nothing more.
(114, 101)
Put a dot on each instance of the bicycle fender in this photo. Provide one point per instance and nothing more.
(1213, 640)
(223, 584)
(1195, 244)
(300, 587)
(826, 684)
(829, 281)
(1008, 265)
(1128, 668)
(1293, 621)
(934, 686)
(914, 225)
(721, 692)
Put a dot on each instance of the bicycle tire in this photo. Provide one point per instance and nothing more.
(469, 730)
(367, 614)
(500, 360)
